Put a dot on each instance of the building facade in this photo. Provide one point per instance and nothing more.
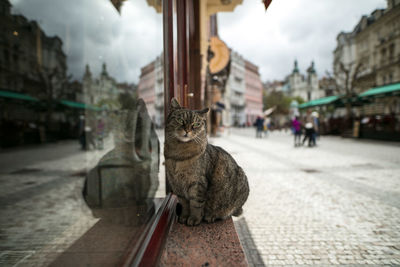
(299, 85)
(253, 93)
(371, 52)
(101, 91)
(30, 61)
(234, 97)
(344, 58)
(242, 96)
(147, 88)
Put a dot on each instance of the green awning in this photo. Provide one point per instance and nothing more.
(79, 105)
(14, 95)
(319, 102)
(382, 90)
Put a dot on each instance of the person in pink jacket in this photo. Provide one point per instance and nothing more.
(297, 131)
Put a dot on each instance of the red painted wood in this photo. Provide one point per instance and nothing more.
(194, 88)
(158, 237)
(182, 53)
(267, 3)
(148, 251)
(169, 74)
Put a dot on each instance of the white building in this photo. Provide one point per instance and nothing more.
(100, 91)
(234, 97)
(344, 58)
(303, 86)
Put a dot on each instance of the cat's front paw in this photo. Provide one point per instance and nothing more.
(210, 219)
(192, 221)
(182, 219)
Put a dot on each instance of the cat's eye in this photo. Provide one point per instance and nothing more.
(180, 121)
(196, 125)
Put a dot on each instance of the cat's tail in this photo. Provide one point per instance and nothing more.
(237, 212)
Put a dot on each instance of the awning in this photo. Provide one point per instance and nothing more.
(79, 105)
(382, 90)
(319, 102)
(14, 95)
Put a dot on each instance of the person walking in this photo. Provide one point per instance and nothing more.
(259, 124)
(82, 135)
(315, 134)
(267, 122)
(310, 129)
(100, 134)
(296, 131)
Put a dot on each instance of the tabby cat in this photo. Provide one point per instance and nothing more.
(207, 180)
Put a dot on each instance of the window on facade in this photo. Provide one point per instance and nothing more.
(391, 52)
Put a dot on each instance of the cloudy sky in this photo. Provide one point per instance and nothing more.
(290, 29)
(93, 32)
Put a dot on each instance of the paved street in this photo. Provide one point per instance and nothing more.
(335, 204)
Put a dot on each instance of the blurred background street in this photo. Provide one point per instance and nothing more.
(337, 203)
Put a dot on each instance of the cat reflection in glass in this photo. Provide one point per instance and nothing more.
(206, 179)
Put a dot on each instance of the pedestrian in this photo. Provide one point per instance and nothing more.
(315, 134)
(82, 135)
(259, 124)
(100, 134)
(296, 131)
(267, 122)
(310, 129)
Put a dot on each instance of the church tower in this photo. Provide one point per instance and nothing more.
(87, 85)
(312, 83)
(295, 80)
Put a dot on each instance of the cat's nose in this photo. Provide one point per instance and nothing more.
(187, 131)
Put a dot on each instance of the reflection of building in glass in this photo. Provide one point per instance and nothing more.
(104, 90)
(242, 98)
(151, 89)
(146, 88)
(30, 62)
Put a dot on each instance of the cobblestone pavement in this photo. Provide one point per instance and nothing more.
(335, 204)
(41, 208)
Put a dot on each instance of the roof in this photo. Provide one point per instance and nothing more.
(15, 95)
(382, 90)
(319, 102)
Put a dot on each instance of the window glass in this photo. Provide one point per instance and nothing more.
(80, 149)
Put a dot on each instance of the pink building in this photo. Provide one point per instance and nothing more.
(253, 93)
(146, 88)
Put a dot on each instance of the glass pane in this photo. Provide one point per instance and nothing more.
(80, 161)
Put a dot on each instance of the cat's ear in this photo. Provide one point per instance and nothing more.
(203, 112)
(174, 104)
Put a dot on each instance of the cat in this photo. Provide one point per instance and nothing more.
(206, 179)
